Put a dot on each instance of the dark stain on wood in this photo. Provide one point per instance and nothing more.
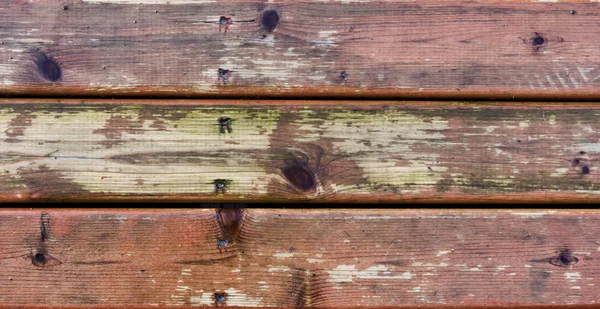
(298, 289)
(307, 165)
(299, 177)
(564, 258)
(116, 126)
(42, 259)
(188, 157)
(44, 226)
(17, 126)
(230, 222)
(220, 260)
(395, 262)
(47, 67)
(99, 263)
(48, 184)
(444, 184)
(269, 20)
(538, 40)
(539, 278)
(84, 300)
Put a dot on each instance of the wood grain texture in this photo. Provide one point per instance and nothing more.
(352, 151)
(300, 258)
(434, 48)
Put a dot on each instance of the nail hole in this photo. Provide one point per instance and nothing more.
(538, 40)
(48, 67)
(270, 20)
(573, 12)
(39, 259)
(585, 170)
(65, 7)
(299, 177)
(576, 161)
(568, 259)
(582, 152)
(292, 248)
(564, 258)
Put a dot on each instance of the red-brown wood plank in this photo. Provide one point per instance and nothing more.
(300, 258)
(419, 49)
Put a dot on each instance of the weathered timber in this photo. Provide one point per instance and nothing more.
(296, 48)
(356, 151)
(300, 258)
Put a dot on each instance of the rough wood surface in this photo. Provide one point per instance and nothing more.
(359, 151)
(434, 48)
(300, 258)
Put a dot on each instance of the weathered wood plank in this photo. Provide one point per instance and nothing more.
(373, 151)
(300, 258)
(454, 49)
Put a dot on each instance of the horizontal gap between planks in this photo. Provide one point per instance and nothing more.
(332, 102)
(373, 95)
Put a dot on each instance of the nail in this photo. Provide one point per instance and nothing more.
(344, 75)
(225, 123)
(224, 22)
(224, 74)
(221, 185)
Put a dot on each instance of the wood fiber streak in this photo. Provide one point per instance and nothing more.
(298, 151)
(301, 258)
(453, 49)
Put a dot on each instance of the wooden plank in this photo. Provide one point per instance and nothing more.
(300, 258)
(387, 49)
(354, 151)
